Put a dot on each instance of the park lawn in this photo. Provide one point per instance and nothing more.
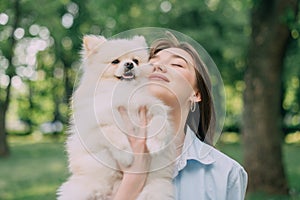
(35, 170)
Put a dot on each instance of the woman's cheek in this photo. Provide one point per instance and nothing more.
(183, 84)
(183, 91)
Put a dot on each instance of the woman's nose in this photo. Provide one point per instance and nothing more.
(159, 67)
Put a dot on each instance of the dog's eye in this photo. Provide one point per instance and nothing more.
(136, 61)
(115, 61)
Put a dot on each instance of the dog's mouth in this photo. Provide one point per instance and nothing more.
(126, 71)
(128, 75)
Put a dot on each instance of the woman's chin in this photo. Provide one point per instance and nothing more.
(163, 93)
(157, 89)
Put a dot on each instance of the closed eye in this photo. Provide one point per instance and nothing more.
(116, 61)
(177, 65)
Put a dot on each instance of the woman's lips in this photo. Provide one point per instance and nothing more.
(158, 77)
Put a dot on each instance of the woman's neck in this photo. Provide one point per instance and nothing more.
(179, 117)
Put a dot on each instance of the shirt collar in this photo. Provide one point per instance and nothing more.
(194, 149)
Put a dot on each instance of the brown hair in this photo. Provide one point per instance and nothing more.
(204, 124)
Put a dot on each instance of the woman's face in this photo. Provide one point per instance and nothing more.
(173, 78)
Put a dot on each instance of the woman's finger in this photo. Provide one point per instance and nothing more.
(143, 121)
(130, 130)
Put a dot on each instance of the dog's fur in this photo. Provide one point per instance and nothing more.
(98, 143)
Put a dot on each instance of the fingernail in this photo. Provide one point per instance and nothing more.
(121, 109)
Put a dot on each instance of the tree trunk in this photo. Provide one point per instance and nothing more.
(262, 120)
(10, 71)
(4, 149)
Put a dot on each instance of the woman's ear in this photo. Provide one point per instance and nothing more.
(197, 96)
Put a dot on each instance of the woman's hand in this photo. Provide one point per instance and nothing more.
(135, 176)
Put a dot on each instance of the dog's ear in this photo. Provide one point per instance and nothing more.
(140, 39)
(91, 42)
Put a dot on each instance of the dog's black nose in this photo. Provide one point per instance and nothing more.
(129, 65)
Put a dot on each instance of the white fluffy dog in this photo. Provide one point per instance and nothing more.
(115, 74)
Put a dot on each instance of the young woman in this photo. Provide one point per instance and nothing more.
(180, 79)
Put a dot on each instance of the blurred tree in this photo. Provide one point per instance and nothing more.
(262, 125)
(8, 51)
(47, 56)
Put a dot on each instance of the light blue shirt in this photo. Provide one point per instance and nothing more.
(204, 173)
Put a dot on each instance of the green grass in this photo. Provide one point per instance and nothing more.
(36, 169)
(33, 171)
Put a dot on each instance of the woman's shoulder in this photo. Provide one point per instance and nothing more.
(227, 165)
(209, 155)
(218, 160)
(222, 159)
(210, 165)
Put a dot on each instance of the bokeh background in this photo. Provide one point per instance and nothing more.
(254, 43)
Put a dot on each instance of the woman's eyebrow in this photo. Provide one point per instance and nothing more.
(180, 57)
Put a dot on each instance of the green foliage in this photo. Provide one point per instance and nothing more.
(49, 42)
(291, 79)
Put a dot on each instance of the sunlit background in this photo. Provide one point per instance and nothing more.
(40, 43)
